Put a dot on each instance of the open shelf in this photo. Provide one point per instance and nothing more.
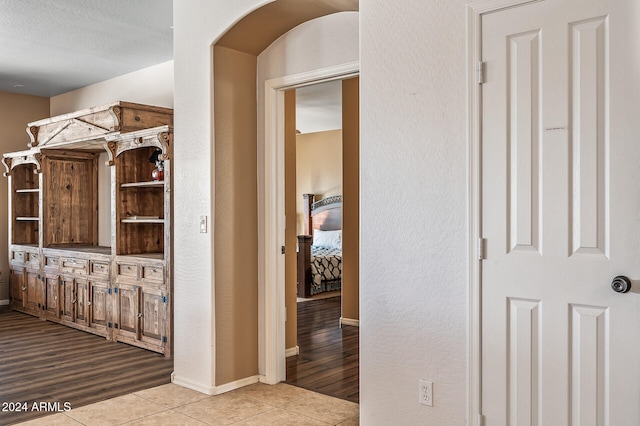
(25, 204)
(129, 220)
(152, 183)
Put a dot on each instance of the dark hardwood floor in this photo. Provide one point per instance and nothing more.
(43, 362)
(329, 355)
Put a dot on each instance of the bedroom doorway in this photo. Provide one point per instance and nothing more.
(322, 165)
(277, 318)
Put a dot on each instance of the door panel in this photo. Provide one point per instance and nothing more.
(17, 286)
(560, 213)
(52, 301)
(81, 307)
(99, 300)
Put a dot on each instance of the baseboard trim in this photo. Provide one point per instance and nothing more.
(214, 390)
(349, 321)
(4, 302)
(198, 387)
(228, 387)
(293, 351)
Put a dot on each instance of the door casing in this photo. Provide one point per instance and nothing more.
(475, 11)
(272, 323)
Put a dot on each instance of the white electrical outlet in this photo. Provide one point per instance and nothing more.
(203, 224)
(425, 393)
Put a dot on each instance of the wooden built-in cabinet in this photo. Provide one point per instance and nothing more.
(122, 288)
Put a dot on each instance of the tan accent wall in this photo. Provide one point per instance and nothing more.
(318, 168)
(16, 111)
(290, 184)
(235, 216)
(351, 199)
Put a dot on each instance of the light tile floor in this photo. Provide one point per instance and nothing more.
(255, 405)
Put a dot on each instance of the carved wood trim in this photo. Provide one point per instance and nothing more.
(11, 163)
(32, 131)
(116, 112)
(7, 165)
(111, 147)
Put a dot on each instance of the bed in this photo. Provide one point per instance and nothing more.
(320, 248)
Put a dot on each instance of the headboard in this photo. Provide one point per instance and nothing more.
(325, 214)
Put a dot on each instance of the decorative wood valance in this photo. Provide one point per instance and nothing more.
(95, 124)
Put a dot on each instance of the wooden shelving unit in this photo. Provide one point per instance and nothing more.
(59, 271)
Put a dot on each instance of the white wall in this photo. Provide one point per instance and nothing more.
(197, 25)
(414, 166)
(413, 153)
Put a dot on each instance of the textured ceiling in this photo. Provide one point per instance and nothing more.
(48, 47)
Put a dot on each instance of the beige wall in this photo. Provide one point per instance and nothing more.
(150, 86)
(15, 112)
(290, 198)
(236, 221)
(318, 168)
(351, 199)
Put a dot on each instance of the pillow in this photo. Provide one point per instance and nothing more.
(329, 239)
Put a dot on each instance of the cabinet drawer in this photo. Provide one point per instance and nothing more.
(51, 262)
(73, 266)
(18, 256)
(128, 270)
(153, 272)
(99, 268)
(33, 258)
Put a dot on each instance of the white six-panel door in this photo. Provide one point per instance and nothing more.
(561, 214)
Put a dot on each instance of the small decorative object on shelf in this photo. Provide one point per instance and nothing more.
(158, 172)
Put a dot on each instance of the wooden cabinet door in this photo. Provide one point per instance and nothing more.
(142, 316)
(34, 293)
(81, 288)
(98, 306)
(17, 288)
(68, 298)
(51, 298)
(75, 298)
(153, 315)
(128, 322)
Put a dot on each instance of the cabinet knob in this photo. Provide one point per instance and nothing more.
(140, 315)
(73, 301)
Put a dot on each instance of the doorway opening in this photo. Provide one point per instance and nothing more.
(322, 356)
(275, 290)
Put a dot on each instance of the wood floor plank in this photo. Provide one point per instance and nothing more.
(42, 361)
(329, 356)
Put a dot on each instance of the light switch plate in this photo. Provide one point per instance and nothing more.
(203, 224)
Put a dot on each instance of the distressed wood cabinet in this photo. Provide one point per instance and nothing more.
(86, 175)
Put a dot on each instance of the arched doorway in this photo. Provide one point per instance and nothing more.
(247, 191)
